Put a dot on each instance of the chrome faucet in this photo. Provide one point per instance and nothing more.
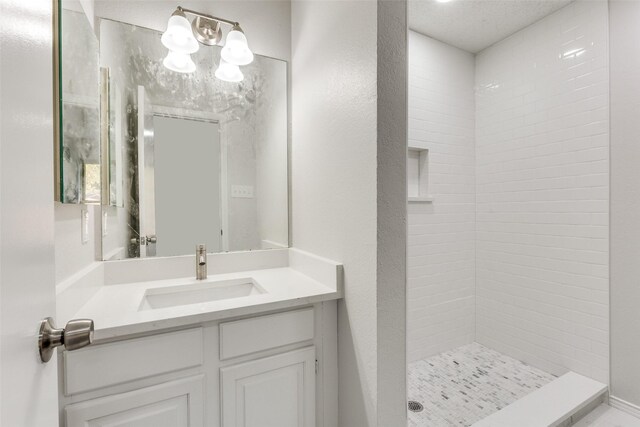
(201, 262)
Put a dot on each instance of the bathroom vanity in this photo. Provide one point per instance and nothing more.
(238, 332)
(253, 344)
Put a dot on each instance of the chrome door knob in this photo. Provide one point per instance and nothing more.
(76, 334)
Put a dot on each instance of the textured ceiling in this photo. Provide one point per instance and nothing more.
(474, 25)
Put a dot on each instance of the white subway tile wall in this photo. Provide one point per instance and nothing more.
(542, 131)
(441, 246)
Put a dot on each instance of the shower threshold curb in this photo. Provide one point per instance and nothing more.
(551, 405)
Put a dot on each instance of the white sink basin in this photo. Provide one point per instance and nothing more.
(203, 291)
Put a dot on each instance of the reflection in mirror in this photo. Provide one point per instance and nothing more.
(195, 163)
(191, 158)
(115, 141)
(79, 108)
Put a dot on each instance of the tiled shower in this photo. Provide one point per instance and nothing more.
(511, 253)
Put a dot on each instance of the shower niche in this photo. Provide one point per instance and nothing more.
(418, 175)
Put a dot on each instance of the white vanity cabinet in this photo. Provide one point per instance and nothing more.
(273, 369)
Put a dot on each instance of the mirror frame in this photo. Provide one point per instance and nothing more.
(57, 100)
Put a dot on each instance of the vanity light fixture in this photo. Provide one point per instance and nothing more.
(179, 62)
(179, 37)
(236, 50)
(229, 72)
(183, 38)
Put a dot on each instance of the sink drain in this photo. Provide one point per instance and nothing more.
(415, 406)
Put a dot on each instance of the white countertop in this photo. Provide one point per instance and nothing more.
(116, 308)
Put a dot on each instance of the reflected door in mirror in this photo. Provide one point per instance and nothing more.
(187, 185)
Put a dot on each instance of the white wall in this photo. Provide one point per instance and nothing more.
(72, 255)
(441, 246)
(334, 175)
(89, 9)
(335, 186)
(624, 24)
(543, 192)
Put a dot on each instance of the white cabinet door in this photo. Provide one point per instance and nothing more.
(172, 404)
(277, 391)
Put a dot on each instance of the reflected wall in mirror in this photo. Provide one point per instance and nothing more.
(188, 158)
(78, 107)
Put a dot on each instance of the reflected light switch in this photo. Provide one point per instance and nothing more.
(242, 191)
(104, 223)
(84, 216)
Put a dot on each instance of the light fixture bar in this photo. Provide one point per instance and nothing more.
(204, 15)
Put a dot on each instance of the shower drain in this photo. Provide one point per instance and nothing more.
(415, 406)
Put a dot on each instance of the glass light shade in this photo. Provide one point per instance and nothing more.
(179, 62)
(236, 49)
(229, 72)
(179, 36)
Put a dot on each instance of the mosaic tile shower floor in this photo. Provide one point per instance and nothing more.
(464, 385)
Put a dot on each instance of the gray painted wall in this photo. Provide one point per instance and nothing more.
(624, 33)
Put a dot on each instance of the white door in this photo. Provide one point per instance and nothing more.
(276, 391)
(28, 388)
(187, 185)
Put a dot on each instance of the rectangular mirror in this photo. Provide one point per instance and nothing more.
(78, 108)
(184, 158)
